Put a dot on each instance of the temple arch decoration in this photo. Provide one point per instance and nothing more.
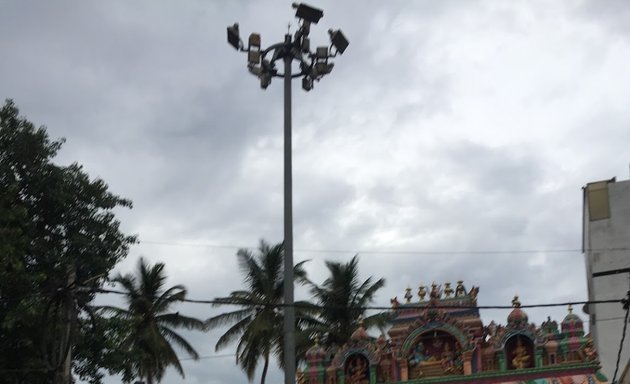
(524, 333)
(519, 352)
(442, 335)
(357, 369)
(455, 332)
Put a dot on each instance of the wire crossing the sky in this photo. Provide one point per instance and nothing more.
(392, 252)
(379, 308)
(626, 306)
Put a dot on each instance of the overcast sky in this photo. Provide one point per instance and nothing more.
(452, 126)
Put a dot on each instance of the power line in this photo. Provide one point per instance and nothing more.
(626, 305)
(218, 356)
(401, 306)
(393, 252)
(380, 308)
(305, 305)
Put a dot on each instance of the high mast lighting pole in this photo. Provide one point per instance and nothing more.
(314, 65)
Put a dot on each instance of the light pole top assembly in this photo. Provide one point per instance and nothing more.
(314, 64)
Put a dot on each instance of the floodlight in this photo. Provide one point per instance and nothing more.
(254, 41)
(306, 44)
(233, 37)
(255, 70)
(305, 29)
(321, 52)
(338, 40)
(253, 57)
(307, 13)
(267, 65)
(322, 68)
(314, 63)
(265, 80)
(307, 83)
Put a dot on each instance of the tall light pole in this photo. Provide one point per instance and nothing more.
(313, 66)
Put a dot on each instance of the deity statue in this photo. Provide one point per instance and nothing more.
(435, 292)
(459, 290)
(516, 303)
(357, 371)
(521, 357)
(589, 353)
(422, 292)
(448, 359)
(448, 291)
(394, 302)
(408, 295)
(459, 363)
(419, 355)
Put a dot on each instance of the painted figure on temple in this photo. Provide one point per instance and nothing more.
(357, 371)
(521, 357)
(459, 363)
(448, 291)
(448, 359)
(408, 295)
(589, 353)
(459, 290)
(441, 338)
(435, 292)
(419, 355)
(422, 292)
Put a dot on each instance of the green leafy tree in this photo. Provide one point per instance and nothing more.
(258, 323)
(100, 349)
(151, 335)
(59, 240)
(342, 299)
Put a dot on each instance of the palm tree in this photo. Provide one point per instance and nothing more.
(342, 299)
(151, 335)
(258, 323)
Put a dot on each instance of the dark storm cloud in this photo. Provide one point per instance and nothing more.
(444, 127)
(613, 15)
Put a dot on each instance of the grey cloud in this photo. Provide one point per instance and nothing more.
(613, 15)
(388, 154)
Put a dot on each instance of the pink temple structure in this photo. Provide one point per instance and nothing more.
(440, 338)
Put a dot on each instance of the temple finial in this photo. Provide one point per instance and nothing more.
(408, 295)
(516, 302)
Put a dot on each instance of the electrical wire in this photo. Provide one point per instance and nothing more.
(401, 307)
(389, 252)
(218, 356)
(381, 308)
(626, 305)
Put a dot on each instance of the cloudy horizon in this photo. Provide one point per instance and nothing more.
(446, 129)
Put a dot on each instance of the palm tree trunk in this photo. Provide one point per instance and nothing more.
(264, 372)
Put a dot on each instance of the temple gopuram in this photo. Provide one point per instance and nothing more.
(439, 338)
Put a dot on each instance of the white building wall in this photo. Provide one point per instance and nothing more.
(607, 248)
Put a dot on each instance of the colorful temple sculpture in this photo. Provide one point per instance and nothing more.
(440, 338)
